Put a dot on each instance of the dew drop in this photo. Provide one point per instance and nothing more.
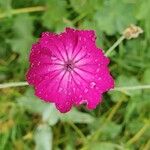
(92, 84)
(97, 70)
(38, 63)
(86, 90)
(40, 92)
(80, 39)
(65, 91)
(60, 89)
(80, 96)
(46, 96)
(93, 39)
(32, 65)
(83, 102)
(78, 83)
(46, 42)
(99, 78)
(70, 44)
(96, 60)
(67, 103)
(67, 47)
(88, 54)
(74, 89)
(84, 39)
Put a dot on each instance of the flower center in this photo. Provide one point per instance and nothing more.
(69, 65)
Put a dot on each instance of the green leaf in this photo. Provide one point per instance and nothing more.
(146, 76)
(143, 14)
(86, 6)
(130, 109)
(50, 114)
(77, 117)
(116, 96)
(134, 126)
(55, 15)
(43, 137)
(23, 38)
(30, 102)
(110, 130)
(137, 105)
(48, 111)
(114, 16)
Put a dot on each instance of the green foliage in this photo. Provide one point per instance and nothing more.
(109, 20)
(103, 146)
(23, 38)
(53, 21)
(44, 143)
(29, 123)
(143, 14)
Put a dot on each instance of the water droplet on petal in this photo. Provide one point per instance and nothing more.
(67, 103)
(60, 89)
(99, 78)
(46, 42)
(80, 39)
(97, 70)
(93, 39)
(78, 83)
(80, 96)
(88, 54)
(83, 102)
(69, 93)
(84, 39)
(38, 63)
(74, 89)
(65, 91)
(32, 65)
(86, 90)
(92, 84)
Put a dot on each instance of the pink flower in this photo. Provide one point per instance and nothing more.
(68, 69)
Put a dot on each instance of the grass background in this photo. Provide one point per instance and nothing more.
(121, 122)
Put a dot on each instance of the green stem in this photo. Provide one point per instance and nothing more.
(115, 45)
(125, 88)
(13, 84)
(78, 131)
(114, 110)
(23, 10)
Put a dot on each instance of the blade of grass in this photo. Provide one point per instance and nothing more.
(137, 136)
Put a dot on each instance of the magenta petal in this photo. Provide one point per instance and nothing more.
(68, 69)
